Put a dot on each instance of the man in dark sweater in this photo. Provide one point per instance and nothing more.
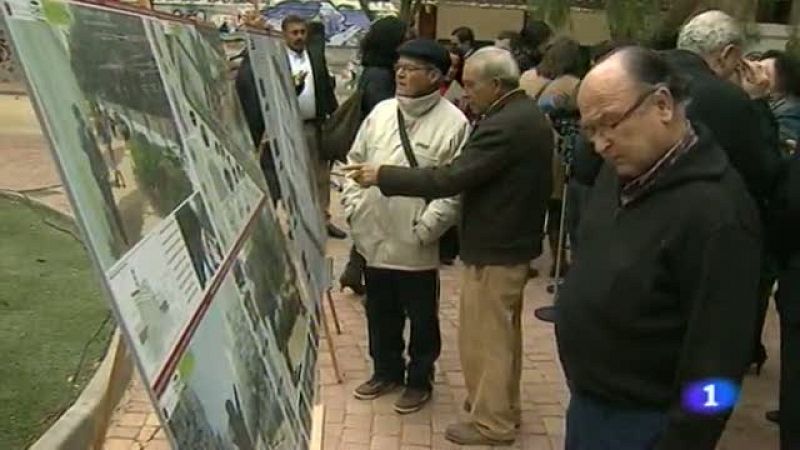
(503, 176)
(661, 299)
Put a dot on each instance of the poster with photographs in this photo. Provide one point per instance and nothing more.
(286, 145)
(217, 305)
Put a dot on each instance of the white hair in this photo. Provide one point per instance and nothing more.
(497, 63)
(709, 32)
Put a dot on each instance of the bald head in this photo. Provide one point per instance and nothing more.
(632, 68)
(607, 81)
(632, 90)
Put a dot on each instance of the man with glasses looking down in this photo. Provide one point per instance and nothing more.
(655, 318)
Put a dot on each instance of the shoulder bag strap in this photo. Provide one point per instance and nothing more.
(407, 149)
(412, 159)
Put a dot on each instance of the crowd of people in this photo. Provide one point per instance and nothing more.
(665, 181)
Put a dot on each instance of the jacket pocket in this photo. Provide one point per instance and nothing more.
(365, 223)
(404, 212)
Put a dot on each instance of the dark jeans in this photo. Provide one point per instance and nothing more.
(788, 302)
(595, 425)
(393, 295)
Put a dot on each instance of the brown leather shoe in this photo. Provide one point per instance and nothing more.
(466, 433)
(412, 400)
(373, 389)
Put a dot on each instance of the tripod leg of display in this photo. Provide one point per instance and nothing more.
(333, 312)
(329, 340)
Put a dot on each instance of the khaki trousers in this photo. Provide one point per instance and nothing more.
(320, 165)
(490, 343)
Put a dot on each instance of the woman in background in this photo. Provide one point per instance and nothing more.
(554, 85)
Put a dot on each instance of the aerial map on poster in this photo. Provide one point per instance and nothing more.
(217, 292)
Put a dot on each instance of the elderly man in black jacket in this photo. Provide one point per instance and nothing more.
(503, 176)
(710, 55)
(655, 317)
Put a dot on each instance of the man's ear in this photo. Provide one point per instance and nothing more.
(731, 51)
(666, 105)
(498, 86)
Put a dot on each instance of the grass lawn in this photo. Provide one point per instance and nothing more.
(50, 307)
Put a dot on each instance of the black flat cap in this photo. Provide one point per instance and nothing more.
(427, 50)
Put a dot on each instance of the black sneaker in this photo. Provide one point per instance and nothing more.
(373, 389)
(412, 400)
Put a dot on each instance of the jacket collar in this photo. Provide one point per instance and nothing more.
(705, 160)
(501, 102)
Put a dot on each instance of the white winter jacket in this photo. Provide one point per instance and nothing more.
(403, 233)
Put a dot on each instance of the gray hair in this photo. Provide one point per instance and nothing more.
(709, 32)
(497, 63)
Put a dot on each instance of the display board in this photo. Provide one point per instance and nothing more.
(270, 69)
(216, 293)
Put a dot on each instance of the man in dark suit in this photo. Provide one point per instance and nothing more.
(316, 98)
(503, 176)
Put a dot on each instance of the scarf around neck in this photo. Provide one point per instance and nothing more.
(416, 107)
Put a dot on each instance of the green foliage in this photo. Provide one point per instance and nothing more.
(632, 19)
(160, 174)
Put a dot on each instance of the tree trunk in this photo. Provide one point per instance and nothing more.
(408, 9)
(793, 45)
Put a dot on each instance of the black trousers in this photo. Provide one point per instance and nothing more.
(448, 244)
(769, 273)
(393, 295)
(788, 302)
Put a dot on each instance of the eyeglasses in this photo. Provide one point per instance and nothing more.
(591, 130)
(408, 68)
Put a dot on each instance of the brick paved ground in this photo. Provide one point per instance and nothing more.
(355, 425)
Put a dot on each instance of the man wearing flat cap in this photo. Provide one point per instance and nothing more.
(399, 236)
(503, 178)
